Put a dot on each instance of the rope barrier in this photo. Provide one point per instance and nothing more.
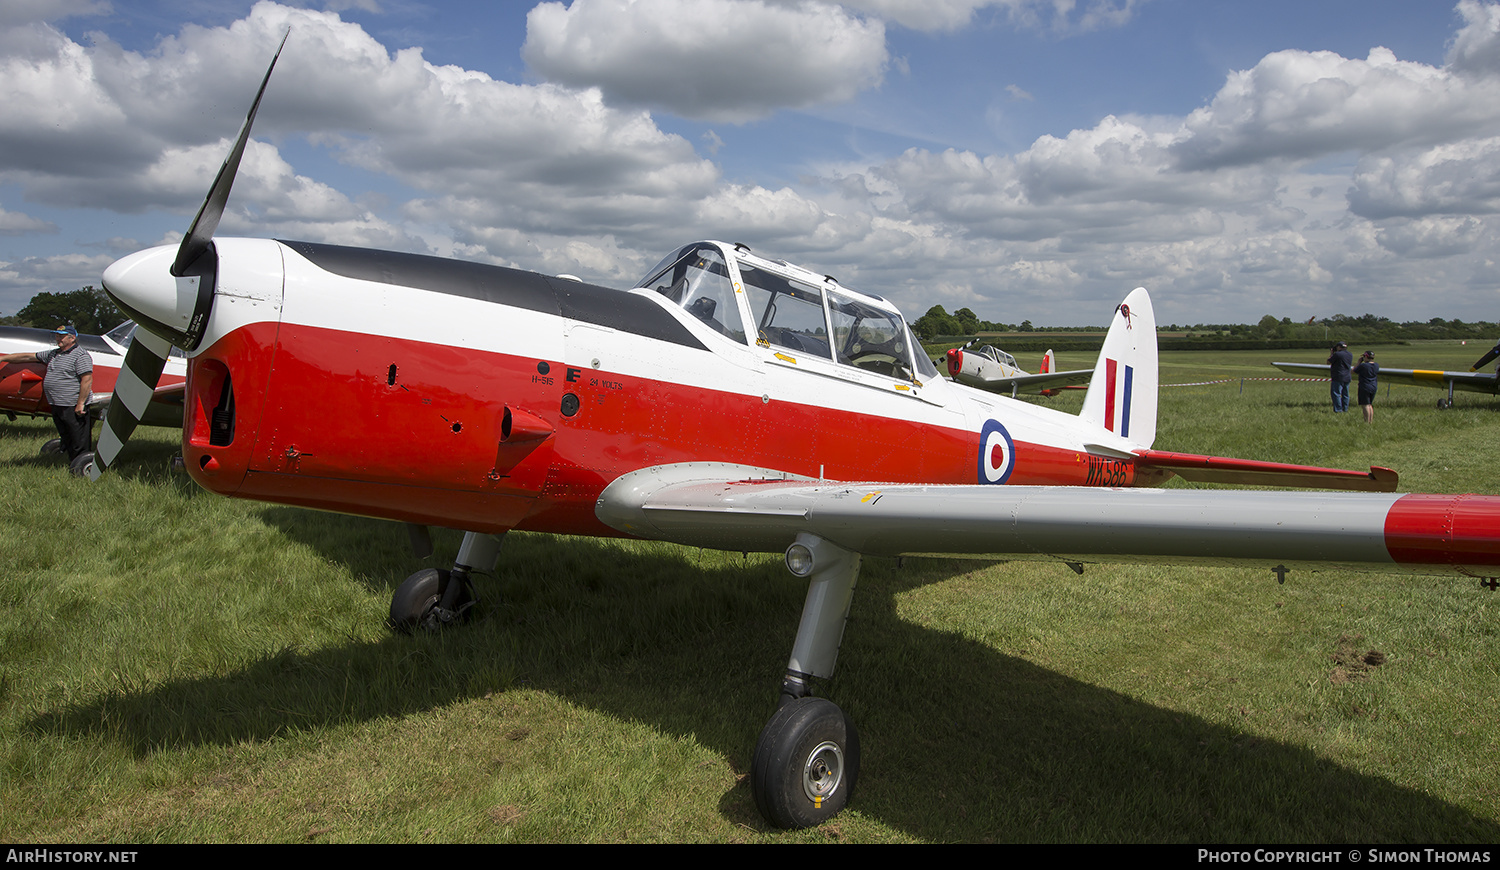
(1232, 380)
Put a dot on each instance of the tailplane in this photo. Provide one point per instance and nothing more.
(1122, 394)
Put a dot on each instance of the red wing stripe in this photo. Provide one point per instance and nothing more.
(1459, 530)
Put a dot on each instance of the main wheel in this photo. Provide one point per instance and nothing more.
(51, 447)
(80, 465)
(1444, 404)
(805, 765)
(416, 602)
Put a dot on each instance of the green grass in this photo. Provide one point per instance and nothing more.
(179, 667)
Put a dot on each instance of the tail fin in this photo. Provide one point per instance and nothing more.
(1122, 393)
(1049, 362)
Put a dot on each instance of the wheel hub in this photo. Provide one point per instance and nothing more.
(438, 617)
(823, 771)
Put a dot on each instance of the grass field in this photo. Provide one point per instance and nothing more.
(179, 667)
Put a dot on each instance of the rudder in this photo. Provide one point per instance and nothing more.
(1122, 392)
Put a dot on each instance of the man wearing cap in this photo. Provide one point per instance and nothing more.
(1340, 363)
(69, 379)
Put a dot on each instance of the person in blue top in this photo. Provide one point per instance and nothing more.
(1339, 365)
(1368, 373)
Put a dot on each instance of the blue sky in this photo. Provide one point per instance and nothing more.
(1028, 159)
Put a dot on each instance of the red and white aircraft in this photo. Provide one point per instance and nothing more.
(990, 368)
(731, 401)
(21, 383)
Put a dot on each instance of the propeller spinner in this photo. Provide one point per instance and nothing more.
(169, 295)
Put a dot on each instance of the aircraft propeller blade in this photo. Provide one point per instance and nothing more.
(195, 243)
(170, 305)
(133, 390)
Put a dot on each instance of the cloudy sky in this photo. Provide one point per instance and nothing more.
(1028, 159)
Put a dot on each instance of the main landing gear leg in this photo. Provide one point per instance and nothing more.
(432, 599)
(807, 758)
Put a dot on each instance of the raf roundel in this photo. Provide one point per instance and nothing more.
(997, 453)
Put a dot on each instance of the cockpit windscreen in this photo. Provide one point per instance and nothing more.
(697, 279)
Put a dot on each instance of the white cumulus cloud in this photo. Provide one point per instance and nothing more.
(717, 60)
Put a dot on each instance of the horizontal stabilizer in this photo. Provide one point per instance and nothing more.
(1250, 472)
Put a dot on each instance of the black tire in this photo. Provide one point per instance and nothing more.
(52, 447)
(808, 750)
(1444, 404)
(418, 596)
(81, 464)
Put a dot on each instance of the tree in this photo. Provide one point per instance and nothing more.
(87, 308)
(936, 322)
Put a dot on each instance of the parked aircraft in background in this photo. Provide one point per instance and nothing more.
(21, 383)
(990, 368)
(1469, 382)
(730, 401)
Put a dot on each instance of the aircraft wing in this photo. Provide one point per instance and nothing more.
(1474, 382)
(740, 508)
(164, 406)
(1027, 383)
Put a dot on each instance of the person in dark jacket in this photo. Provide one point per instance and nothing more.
(1368, 373)
(1340, 364)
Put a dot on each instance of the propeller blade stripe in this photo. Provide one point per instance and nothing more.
(108, 447)
(158, 346)
(134, 395)
(146, 369)
(133, 389)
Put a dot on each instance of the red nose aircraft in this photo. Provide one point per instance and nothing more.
(21, 383)
(730, 401)
(990, 368)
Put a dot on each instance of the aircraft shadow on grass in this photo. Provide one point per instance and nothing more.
(1004, 749)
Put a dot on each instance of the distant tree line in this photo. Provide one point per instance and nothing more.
(1364, 329)
(938, 325)
(88, 309)
(963, 322)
